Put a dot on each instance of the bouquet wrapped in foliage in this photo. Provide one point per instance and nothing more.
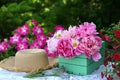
(30, 35)
(112, 60)
(75, 41)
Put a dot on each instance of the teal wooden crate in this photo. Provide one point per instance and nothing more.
(80, 65)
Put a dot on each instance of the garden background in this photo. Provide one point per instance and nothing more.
(49, 13)
(24, 22)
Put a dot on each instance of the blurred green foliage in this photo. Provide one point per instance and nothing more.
(48, 13)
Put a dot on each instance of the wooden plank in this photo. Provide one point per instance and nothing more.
(81, 70)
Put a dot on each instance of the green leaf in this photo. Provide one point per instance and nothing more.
(12, 7)
(4, 8)
(35, 74)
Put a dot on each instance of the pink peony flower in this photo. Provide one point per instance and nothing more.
(24, 30)
(34, 22)
(73, 31)
(15, 39)
(70, 33)
(90, 46)
(58, 27)
(52, 45)
(77, 51)
(53, 54)
(66, 34)
(75, 41)
(3, 46)
(21, 46)
(86, 29)
(65, 48)
(37, 30)
(99, 40)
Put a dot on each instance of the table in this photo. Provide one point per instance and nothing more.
(9, 75)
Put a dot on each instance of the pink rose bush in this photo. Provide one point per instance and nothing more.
(29, 35)
(75, 41)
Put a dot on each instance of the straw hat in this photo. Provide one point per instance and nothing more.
(29, 60)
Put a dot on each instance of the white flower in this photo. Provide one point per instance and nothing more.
(52, 44)
(58, 34)
(75, 43)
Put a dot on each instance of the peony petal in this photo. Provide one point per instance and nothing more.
(78, 52)
(96, 57)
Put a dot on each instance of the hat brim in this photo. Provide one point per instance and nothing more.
(9, 64)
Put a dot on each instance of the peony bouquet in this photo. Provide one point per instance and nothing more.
(75, 41)
(29, 35)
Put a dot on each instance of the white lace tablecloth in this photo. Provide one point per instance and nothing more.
(9, 75)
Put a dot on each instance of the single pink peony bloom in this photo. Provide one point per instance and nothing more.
(66, 34)
(50, 54)
(59, 27)
(24, 30)
(86, 29)
(52, 44)
(15, 39)
(90, 45)
(21, 46)
(37, 30)
(53, 54)
(65, 48)
(34, 22)
(3, 46)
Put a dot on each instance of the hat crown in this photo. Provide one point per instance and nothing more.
(33, 59)
(29, 60)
